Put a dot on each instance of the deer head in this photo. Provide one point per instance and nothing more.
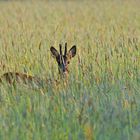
(63, 60)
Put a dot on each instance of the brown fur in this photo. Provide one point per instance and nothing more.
(11, 77)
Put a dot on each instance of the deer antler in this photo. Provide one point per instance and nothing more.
(65, 49)
(60, 48)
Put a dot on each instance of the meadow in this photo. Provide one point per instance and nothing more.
(101, 100)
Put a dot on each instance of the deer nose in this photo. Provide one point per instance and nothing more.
(64, 69)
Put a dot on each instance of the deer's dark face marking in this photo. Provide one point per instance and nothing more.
(63, 59)
(62, 63)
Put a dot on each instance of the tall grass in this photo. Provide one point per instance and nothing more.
(101, 100)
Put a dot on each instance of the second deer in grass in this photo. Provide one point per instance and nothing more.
(62, 61)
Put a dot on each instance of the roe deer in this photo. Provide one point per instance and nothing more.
(62, 60)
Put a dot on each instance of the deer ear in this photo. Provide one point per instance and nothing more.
(54, 52)
(72, 51)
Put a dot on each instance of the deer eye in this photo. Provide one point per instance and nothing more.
(68, 62)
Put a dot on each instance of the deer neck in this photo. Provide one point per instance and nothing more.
(63, 76)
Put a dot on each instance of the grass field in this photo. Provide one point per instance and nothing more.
(101, 100)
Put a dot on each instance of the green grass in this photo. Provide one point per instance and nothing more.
(101, 101)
